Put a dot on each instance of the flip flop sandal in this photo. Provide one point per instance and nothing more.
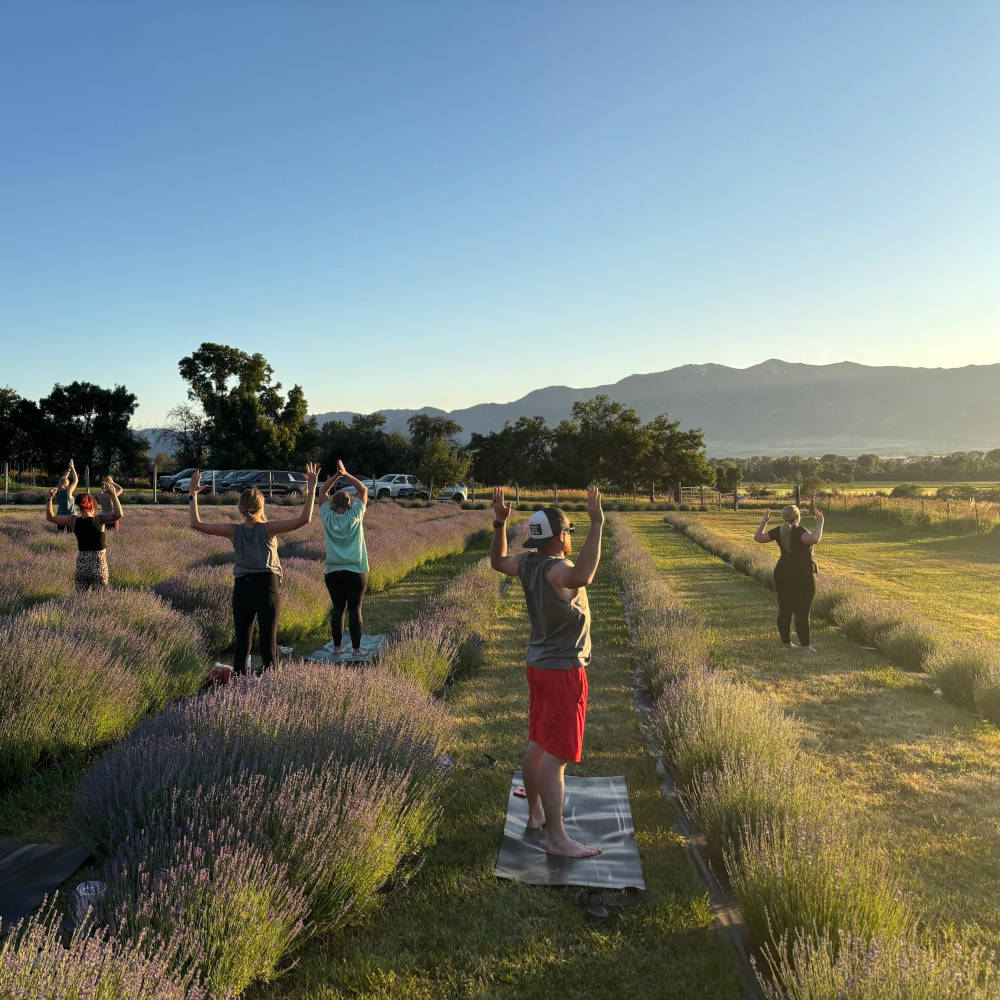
(519, 792)
(627, 899)
(592, 901)
(486, 761)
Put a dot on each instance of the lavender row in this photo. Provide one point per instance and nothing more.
(240, 822)
(817, 895)
(80, 671)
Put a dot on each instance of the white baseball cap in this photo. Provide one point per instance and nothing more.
(545, 524)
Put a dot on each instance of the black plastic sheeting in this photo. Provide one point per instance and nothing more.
(596, 812)
(29, 871)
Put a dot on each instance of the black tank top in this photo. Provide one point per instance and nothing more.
(89, 537)
(798, 556)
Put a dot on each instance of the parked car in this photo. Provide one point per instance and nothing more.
(279, 482)
(183, 485)
(343, 484)
(457, 492)
(166, 483)
(415, 491)
(392, 485)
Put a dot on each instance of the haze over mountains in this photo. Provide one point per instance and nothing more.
(779, 408)
(774, 408)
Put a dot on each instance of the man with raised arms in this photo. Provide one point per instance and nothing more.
(558, 653)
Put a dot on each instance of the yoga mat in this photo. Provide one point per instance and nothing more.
(370, 645)
(29, 871)
(596, 811)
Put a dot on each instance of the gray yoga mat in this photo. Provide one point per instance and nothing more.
(596, 811)
(29, 871)
(370, 645)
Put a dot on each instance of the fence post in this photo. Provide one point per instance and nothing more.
(156, 476)
(6, 475)
(213, 482)
(947, 512)
(701, 494)
(735, 499)
(798, 495)
(975, 508)
(677, 493)
(517, 496)
(472, 490)
(270, 485)
(86, 476)
(555, 495)
(652, 498)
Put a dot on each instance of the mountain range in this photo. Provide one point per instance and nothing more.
(774, 408)
(781, 408)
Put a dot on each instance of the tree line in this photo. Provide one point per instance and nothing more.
(237, 416)
(956, 467)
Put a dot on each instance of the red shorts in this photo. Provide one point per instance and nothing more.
(557, 710)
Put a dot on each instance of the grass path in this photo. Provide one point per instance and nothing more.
(925, 773)
(953, 581)
(457, 932)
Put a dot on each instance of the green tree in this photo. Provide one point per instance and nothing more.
(250, 422)
(442, 463)
(91, 425)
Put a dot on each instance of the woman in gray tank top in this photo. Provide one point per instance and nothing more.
(257, 569)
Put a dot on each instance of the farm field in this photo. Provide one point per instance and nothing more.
(919, 772)
(448, 927)
(951, 580)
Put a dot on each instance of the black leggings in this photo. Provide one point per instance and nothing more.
(255, 595)
(795, 591)
(347, 590)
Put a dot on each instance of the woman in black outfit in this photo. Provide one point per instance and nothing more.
(793, 573)
(257, 570)
(91, 538)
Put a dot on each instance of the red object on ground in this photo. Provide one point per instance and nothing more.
(220, 674)
(557, 710)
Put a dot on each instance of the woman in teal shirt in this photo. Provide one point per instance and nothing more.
(346, 567)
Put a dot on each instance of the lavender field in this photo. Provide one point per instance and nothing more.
(296, 793)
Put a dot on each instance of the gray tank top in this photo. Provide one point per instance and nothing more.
(560, 630)
(256, 551)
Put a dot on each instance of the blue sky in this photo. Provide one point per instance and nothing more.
(431, 203)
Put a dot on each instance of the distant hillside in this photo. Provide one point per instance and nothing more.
(779, 408)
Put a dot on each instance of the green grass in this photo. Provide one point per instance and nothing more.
(952, 581)
(922, 772)
(456, 931)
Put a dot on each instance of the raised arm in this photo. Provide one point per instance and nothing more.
(813, 537)
(115, 491)
(291, 523)
(222, 529)
(362, 490)
(761, 535)
(572, 576)
(64, 520)
(499, 559)
(74, 479)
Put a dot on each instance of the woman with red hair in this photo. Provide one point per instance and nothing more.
(91, 538)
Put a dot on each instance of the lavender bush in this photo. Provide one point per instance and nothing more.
(333, 774)
(747, 794)
(59, 696)
(35, 964)
(816, 877)
(702, 719)
(853, 968)
(161, 646)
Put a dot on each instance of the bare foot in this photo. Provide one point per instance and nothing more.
(337, 650)
(536, 818)
(566, 847)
